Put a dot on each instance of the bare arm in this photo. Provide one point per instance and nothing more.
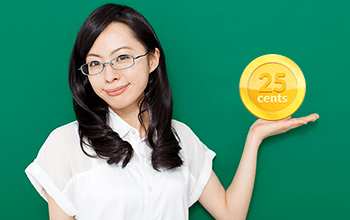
(234, 202)
(56, 212)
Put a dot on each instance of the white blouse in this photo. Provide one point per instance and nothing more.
(89, 188)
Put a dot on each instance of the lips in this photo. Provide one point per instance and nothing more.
(117, 91)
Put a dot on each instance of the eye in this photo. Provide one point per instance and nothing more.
(122, 58)
(94, 64)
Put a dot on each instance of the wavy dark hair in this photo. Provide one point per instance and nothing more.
(92, 112)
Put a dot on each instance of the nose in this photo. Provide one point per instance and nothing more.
(110, 73)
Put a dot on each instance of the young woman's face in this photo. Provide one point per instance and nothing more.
(121, 89)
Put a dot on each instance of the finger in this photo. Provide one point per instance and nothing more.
(315, 117)
(286, 119)
(296, 122)
(312, 117)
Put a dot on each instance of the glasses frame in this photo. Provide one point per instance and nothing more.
(110, 63)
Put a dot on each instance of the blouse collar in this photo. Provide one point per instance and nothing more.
(118, 124)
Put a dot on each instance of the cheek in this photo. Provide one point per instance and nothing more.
(138, 76)
(143, 82)
(96, 86)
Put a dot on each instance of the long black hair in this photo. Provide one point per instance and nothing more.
(92, 112)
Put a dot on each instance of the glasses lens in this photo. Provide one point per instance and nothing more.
(122, 62)
(92, 68)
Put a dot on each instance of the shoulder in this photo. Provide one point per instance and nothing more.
(64, 136)
(63, 147)
(187, 138)
(65, 132)
(194, 152)
(182, 130)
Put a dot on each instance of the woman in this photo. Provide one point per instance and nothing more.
(124, 157)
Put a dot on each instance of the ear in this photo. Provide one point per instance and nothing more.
(154, 60)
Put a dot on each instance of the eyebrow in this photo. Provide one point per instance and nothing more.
(114, 51)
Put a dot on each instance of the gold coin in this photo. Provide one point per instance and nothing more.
(272, 87)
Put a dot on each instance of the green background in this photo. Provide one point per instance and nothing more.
(303, 174)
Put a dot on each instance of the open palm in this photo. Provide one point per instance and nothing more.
(263, 128)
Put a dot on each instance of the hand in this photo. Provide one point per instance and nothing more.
(262, 129)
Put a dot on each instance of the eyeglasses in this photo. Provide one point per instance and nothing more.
(121, 62)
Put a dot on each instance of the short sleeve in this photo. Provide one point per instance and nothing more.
(198, 159)
(58, 160)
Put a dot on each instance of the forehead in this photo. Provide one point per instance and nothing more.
(114, 36)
